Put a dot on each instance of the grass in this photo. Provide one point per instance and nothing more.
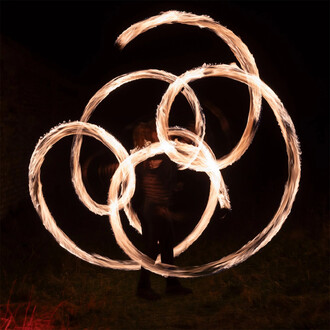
(284, 286)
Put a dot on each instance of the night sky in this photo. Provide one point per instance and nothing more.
(290, 43)
(288, 40)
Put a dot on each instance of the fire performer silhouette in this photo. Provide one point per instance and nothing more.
(156, 183)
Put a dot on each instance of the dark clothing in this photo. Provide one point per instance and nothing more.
(157, 231)
(157, 180)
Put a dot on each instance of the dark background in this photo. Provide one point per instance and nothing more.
(56, 55)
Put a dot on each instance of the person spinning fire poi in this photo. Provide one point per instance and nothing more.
(156, 182)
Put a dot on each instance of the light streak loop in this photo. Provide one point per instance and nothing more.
(196, 156)
(290, 189)
(35, 188)
(91, 107)
(240, 51)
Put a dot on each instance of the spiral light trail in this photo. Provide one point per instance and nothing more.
(196, 155)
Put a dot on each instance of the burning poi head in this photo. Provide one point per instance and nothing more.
(195, 155)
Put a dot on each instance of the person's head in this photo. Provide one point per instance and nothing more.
(145, 132)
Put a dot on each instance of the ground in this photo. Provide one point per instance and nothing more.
(284, 286)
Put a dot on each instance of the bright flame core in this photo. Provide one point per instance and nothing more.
(196, 156)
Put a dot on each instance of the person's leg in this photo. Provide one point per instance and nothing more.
(151, 250)
(166, 244)
(165, 234)
(150, 239)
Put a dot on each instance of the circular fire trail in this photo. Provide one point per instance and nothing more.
(195, 155)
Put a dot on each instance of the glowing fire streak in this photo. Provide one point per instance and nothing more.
(124, 176)
(290, 190)
(196, 156)
(238, 48)
(35, 187)
(91, 106)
